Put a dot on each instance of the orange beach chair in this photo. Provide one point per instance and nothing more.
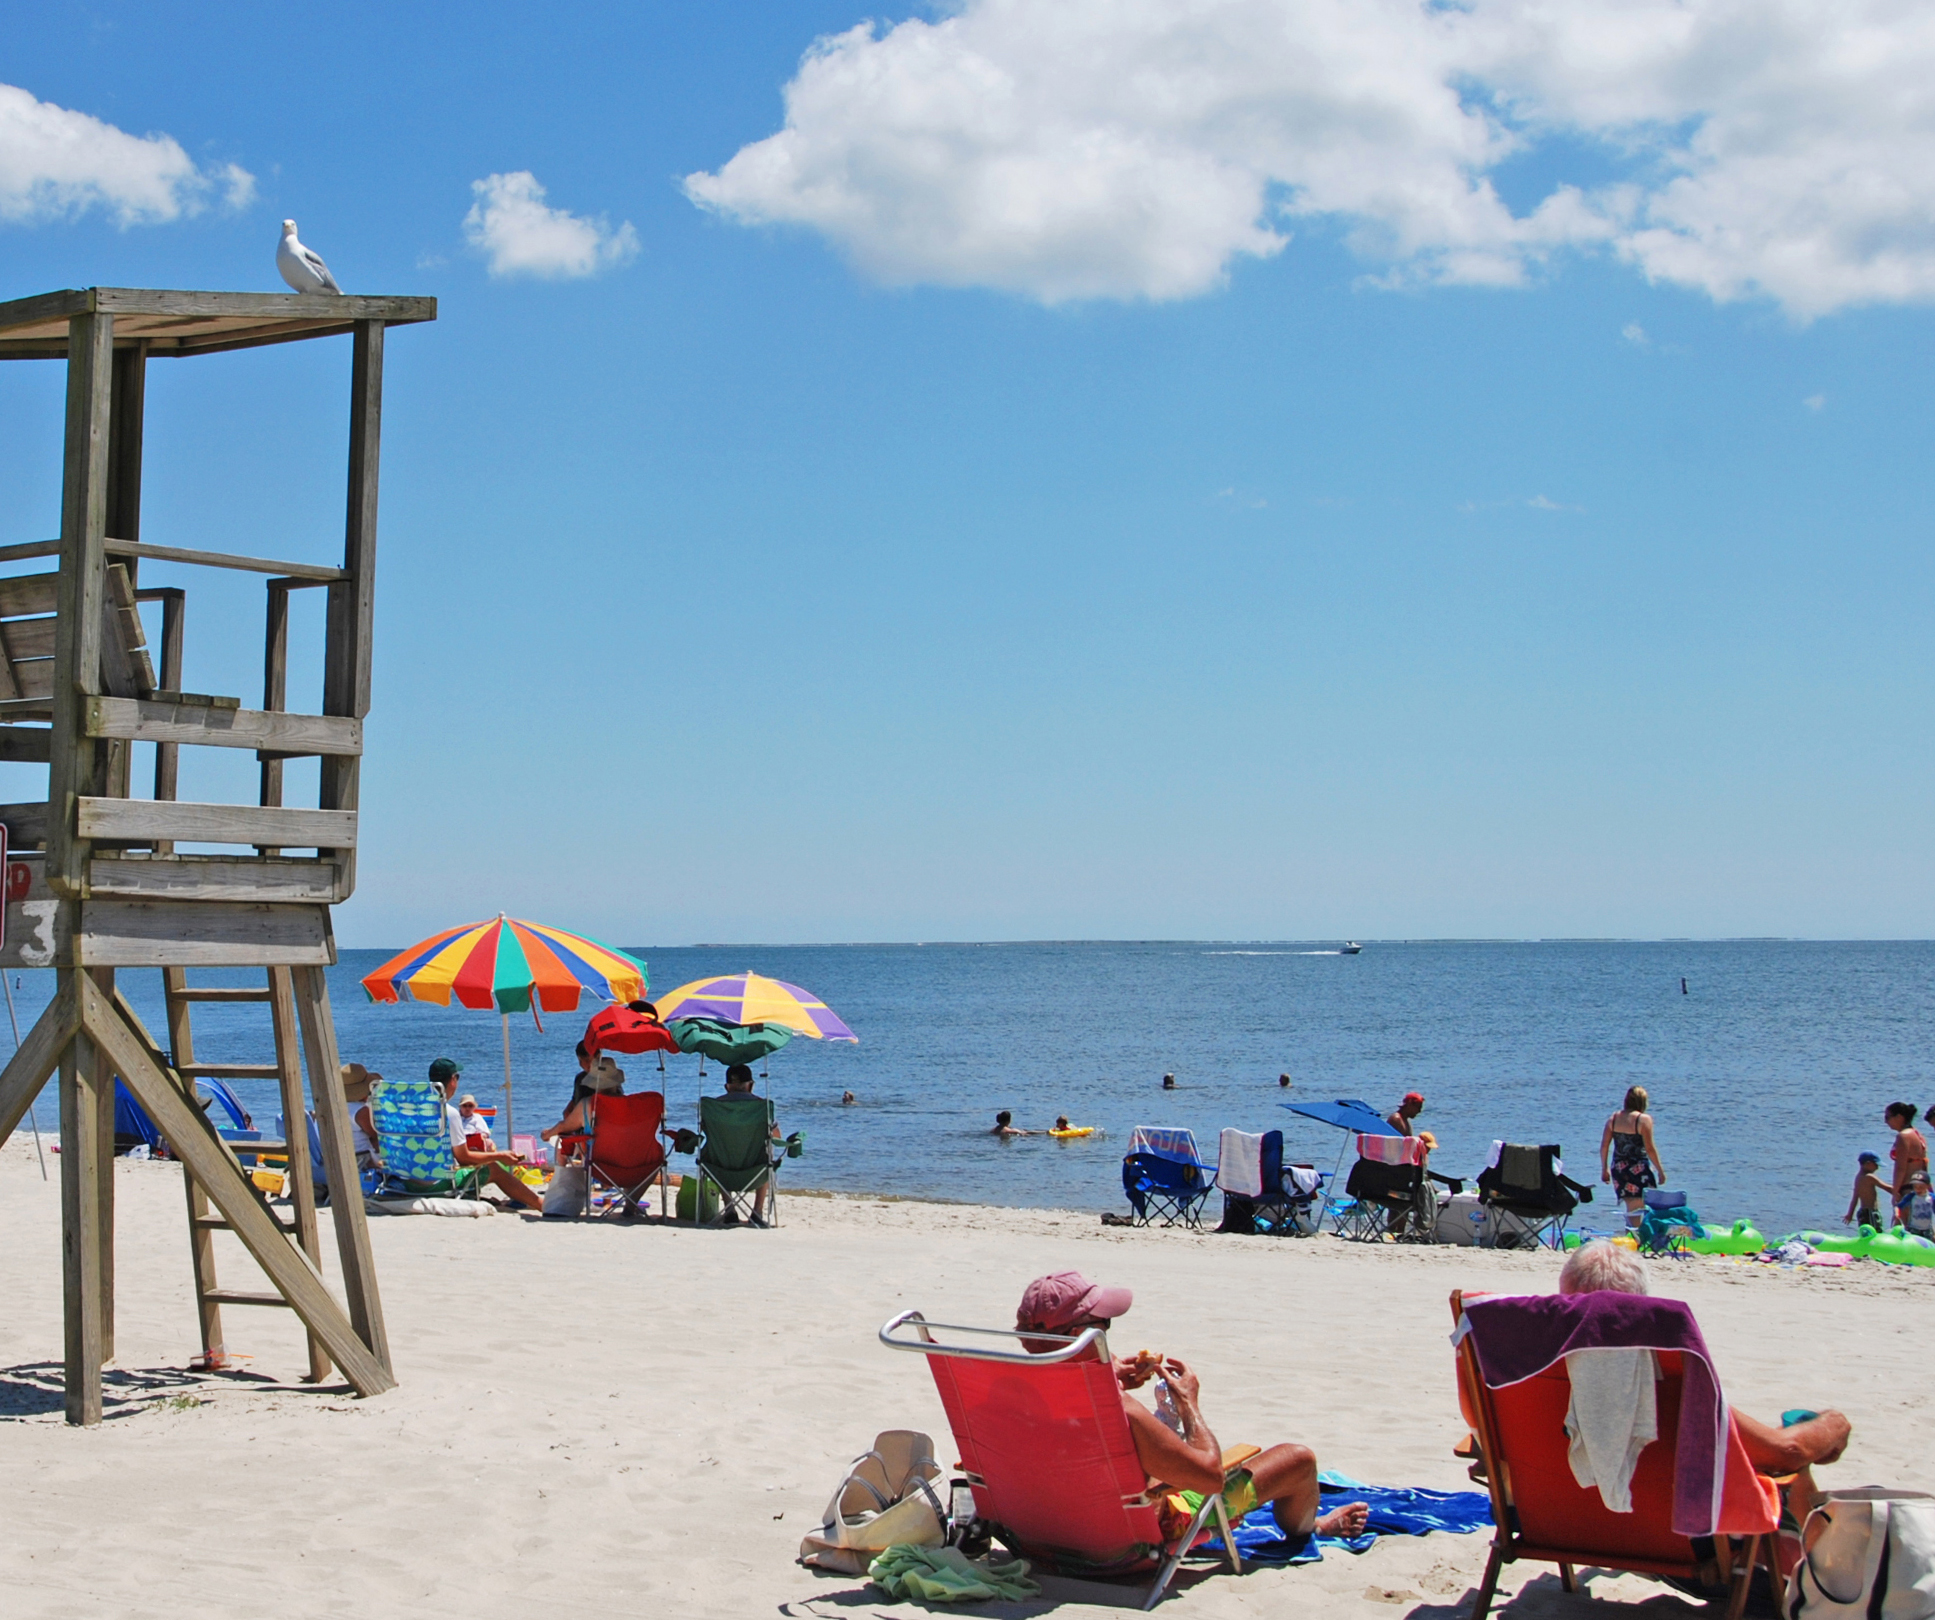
(1542, 1513)
(1048, 1454)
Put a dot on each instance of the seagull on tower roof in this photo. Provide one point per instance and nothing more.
(301, 268)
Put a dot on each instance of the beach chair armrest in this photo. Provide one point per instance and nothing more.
(1583, 1192)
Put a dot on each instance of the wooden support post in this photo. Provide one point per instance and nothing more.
(208, 1159)
(126, 406)
(103, 1083)
(168, 755)
(80, 1247)
(352, 600)
(275, 682)
(339, 1161)
(295, 1131)
(74, 761)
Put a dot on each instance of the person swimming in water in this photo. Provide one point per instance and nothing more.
(1005, 1126)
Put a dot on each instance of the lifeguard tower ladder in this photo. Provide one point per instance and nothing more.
(109, 890)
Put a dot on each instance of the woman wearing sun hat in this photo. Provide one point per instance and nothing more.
(357, 1081)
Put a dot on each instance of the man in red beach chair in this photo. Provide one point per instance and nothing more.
(1075, 1472)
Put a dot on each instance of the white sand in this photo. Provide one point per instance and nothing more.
(644, 1420)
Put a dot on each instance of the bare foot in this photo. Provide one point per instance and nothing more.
(1348, 1520)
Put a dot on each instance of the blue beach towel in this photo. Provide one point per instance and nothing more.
(1394, 1512)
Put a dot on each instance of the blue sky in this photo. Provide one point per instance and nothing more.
(1316, 568)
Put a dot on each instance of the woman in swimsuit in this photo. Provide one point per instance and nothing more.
(1910, 1154)
(1625, 1149)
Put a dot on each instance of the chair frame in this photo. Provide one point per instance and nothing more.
(1173, 1206)
(1544, 1228)
(1494, 1469)
(1091, 1343)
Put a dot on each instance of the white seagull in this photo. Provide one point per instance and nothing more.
(300, 267)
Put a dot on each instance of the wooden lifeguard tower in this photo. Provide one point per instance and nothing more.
(94, 879)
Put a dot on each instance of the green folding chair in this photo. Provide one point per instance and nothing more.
(737, 1157)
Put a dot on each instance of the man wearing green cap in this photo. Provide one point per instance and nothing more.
(444, 1072)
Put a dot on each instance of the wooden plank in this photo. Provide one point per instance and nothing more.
(73, 771)
(27, 1071)
(397, 310)
(301, 1185)
(311, 991)
(243, 1296)
(80, 1210)
(24, 745)
(34, 679)
(26, 824)
(233, 1071)
(29, 593)
(297, 881)
(219, 993)
(319, 572)
(133, 821)
(125, 614)
(30, 548)
(28, 638)
(207, 1159)
(201, 933)
(289, 735)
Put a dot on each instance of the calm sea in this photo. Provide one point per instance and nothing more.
(1767, 1075)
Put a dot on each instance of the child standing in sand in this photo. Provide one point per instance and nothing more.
(1865, 1202)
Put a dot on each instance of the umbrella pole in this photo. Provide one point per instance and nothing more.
(510, 1119)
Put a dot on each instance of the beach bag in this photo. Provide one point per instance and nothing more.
(689, 1204)
(885, 1499)
(566, 1193)
(1873, 1559)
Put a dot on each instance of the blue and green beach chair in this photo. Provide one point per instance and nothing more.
(409, 1120)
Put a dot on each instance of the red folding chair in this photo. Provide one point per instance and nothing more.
(622, 1148)
(1542, 1513)
(1048, 1454)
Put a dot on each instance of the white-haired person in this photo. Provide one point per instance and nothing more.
(1821, 1437)
(1186, 1459)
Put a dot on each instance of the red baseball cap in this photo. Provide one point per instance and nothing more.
(1412, 1096)
(1054, 1303)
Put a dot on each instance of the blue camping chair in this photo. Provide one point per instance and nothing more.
(1167, 1183)
(1263, 1194)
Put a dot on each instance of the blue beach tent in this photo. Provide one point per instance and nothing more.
(133, 1128)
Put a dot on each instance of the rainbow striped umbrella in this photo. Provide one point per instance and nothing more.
(748, 998)
(509, 965)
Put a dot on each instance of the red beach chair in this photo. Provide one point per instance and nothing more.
(622, 1147)
(1544, 1514)
(1048, 1453)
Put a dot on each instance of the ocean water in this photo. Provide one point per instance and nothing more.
(1768, 1075)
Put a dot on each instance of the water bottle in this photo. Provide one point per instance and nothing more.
(1166, 1406)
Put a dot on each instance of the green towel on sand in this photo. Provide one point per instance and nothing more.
(947, 1575)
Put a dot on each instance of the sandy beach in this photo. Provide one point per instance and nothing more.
(646, 1419)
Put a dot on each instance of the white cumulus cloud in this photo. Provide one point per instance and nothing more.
(520, 234)
(56, 163)
(1068, 149)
